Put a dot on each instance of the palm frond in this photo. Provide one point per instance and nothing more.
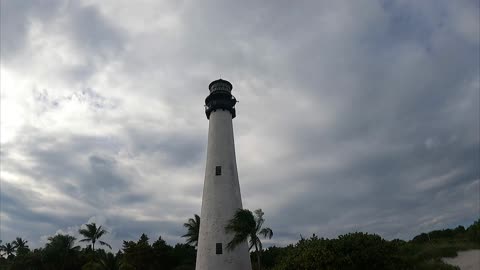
(259, 219)
(266, 232)
(92, 233)
(241, 226)
(260, 246)
(253, 241)
(105, 244)
(20, 243)
(236, 241)
(193, 230)
(188, 234)
(85, 232)
(191, 241)
(242, 222)
(92, 226)
(251, 244)
(100, 233)
(188, 225)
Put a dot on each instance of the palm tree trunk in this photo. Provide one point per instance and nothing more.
(258, 256)
(93, 246)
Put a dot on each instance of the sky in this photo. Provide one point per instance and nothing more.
(352, 115)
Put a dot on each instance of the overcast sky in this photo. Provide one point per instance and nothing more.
(353, 115)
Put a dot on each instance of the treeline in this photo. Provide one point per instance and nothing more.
(61, 253)
(351, 251)
(369, 251)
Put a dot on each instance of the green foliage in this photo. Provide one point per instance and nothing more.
(246, 226)
(126, 266)
(367, 251)
(473, 232)
(159, 255)
(138, 254)
(271, 256)
(92, 266)
(307, 254)
(20, 246)
(108, 261)
(8, 250)
(27, 261)
(350, 251)
(93, 234)
(241, 226)
(193, 230)
(185, 256)
(61, 252)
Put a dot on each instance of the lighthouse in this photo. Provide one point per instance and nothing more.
(221, 189)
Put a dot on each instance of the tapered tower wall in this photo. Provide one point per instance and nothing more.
(221, 199)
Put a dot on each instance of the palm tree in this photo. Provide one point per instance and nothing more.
(93, 233)
(62, 242)
(20, 245)
(60, 250)
(246, 226)
(193, 230)
(9, 249)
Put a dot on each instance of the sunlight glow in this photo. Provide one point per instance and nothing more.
(12, 116)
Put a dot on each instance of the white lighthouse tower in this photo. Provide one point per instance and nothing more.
(221, 190)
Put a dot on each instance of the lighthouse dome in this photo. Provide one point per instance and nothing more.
(220, 85)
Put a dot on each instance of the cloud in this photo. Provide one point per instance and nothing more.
(352, 116)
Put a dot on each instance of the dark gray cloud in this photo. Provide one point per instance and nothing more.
(352, 116)
(178, 149)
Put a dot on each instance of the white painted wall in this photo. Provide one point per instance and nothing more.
(221, 199)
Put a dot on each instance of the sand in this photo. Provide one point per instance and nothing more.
(466, 260)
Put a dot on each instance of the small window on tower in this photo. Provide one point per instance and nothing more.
(218, 170)
(218, 248)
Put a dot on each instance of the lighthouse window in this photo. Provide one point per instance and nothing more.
(218, 170)
(218, 248)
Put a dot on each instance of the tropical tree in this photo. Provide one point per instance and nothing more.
(60, 252)
(138, 254)
(93, 233)
(193, 230)
(20, 245)
(8, 249)
(248, 226)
